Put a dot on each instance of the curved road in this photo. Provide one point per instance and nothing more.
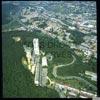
(70, 77)
(56, 67)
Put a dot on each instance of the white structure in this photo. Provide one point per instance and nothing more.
(44, 71)
(35, 60)
(93, 75)
(44, 61)
(72, 28)
(74, 91)
(36, 46)
(40, 65)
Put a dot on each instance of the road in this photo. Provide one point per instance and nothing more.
(70, 77)
(59, 66)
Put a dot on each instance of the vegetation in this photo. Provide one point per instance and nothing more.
(75, 36)
(12, 25)
(15, 71)
(78, 67)
(18, 81)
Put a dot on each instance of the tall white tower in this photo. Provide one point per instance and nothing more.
(36, 61)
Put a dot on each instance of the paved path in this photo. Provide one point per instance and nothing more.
(59, 66)
(70, 77)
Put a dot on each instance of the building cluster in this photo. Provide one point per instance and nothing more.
(88, 48)
(39, 69)
(28, 51)
(37, 63)
(40, 62)
(82, 21)
(91, 75)
(69, 92)
(77, 16)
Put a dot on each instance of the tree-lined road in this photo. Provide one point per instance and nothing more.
(70, 77)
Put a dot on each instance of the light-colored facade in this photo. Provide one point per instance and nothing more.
(40, 67)
(92, 75)
(36, 46)
(36, 59)
(44, 61)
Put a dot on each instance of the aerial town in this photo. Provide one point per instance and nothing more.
(56, 42)
(41, 70)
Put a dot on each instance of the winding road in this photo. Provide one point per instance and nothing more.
(59, 66)
(70, 77)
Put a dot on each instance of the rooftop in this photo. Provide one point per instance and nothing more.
(36, 46)
(44, 61)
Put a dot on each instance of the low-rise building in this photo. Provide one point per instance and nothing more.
(72, 94)
(44, 76)
(93, 75)
(72, 27)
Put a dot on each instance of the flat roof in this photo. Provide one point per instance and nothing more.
(36, 46)
(44, 61)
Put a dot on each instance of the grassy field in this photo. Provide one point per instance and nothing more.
(78, 67)
(17, 81)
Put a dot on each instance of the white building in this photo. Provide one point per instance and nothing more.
(44, 61)
(35, 60)
(72, 28)
(93, 75)
(36, 46)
